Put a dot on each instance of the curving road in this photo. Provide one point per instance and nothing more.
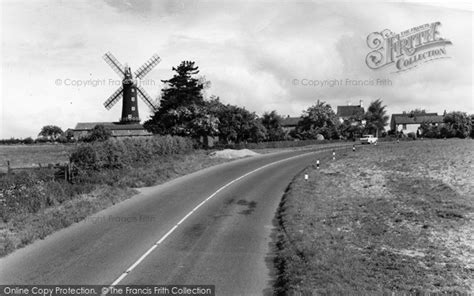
(210, 227)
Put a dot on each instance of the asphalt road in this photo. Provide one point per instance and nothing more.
(210, 227)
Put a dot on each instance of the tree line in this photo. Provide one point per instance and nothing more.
(184, 111)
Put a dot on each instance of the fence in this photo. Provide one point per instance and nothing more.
(62, 171)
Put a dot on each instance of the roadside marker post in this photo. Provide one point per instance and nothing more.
(317, 164)
(306, 177)
(353, 148)
(333, 154)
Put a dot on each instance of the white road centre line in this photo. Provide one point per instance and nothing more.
(123, 275)
(166, 235)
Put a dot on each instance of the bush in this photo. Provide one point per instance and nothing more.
(29, 191)
(446, 131)
(411, 135)
(430, 131)
(62, 139)
(84, 157)
(10, 141)
(28, 140)
(42, 140)
(118, 153)
(457, 124)
(22, 192)
(14, 141)
(98, 133)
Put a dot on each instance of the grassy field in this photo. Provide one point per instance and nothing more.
(387, 218)
(32, 155)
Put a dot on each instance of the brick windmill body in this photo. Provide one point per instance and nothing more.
(129, 99)
(130, 88)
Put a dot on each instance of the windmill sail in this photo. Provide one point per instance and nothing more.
(147, 67)
(146, 98)
(114, 64)
(114, 98)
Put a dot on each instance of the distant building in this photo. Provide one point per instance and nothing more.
(411, 122)
(82, 129)
(290, 123)
(350, 111)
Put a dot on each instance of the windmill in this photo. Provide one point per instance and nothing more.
(130, 88)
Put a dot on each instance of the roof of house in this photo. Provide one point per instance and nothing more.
(417, 119)
(347, 111)
(86, 126)
(290, 121)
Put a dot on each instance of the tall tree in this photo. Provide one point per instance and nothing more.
(376, 117)
(318, 119)
(272, 123)
(181, 103)
(51, 132)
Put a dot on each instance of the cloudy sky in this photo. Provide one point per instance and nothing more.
(260, 55)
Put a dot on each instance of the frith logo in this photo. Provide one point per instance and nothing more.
(407, 49)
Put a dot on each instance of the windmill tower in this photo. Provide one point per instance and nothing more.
(130, 88)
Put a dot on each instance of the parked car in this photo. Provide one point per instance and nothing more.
(368, 139)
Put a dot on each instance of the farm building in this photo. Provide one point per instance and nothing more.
(118, 129)
(410, 123)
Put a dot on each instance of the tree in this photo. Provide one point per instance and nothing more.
(272, 123)
(191, 121)
(318, 119)
(417, 111)
(51, 132)
(237, 124)
(429, 130)
(351, 127)
(181, 105)
(376, 117)
(472, 126)
(456, 124)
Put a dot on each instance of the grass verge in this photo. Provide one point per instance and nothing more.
(51, 205)
(388, 218)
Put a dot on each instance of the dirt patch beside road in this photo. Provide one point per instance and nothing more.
(387, 218)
